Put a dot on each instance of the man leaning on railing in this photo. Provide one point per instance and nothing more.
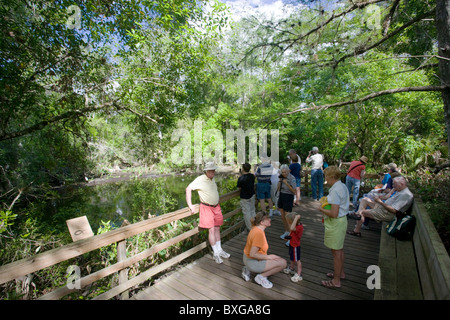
(211, 217)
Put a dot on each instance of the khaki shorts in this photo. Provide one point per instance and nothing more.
(248, 210)
(379, 213)
(253, 265)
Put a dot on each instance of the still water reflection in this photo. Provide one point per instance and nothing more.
(134, 200)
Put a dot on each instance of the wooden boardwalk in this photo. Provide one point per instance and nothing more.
(203, 279)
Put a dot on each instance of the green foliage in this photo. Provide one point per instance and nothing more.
(91, 85)
(434, 190)
(80, 99)
(272, 67)
(6, 219)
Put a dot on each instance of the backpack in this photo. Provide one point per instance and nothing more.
(402, 228)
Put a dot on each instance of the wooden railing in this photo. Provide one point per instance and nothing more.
(433, 261)
(306, 180)
(52, 257)
(49, 258)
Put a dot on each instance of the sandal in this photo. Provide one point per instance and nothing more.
(331, 275)
(329, 284)
(354, 216)
(353, 233)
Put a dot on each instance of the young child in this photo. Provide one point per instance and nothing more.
(294, 246)
(246, 183)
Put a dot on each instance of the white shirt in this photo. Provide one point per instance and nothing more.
(298, 160)
(339, 195)
(274, 178)
(401, 200)
(317, 161)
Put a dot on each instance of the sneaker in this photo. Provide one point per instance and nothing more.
(263, 281)
(270, 212)
(245, 274)
(217, 258)
(289, 270)
(287, 243)
(277, 213)
(284, 235)
(296, 278)
(224, 254)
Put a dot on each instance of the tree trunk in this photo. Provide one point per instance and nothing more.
(443, 33)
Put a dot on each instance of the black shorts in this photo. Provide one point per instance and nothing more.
(294, 253)
(285, 202)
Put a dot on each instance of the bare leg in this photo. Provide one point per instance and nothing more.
(213, 235)
(283, 218)
(274, 266)
(338, 263)
(297, 195)
(262, 202)
(364, 214)
(299, 267)
(364, 203)
(270, 203)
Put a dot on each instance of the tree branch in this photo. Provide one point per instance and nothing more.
(354, 6)
(364, 49)
(40, 125)
(369, 97)
(390, 16)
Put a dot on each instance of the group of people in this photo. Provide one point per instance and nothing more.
(282, 188)
(255, 257)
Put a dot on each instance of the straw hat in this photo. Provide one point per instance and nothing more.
(363, 159)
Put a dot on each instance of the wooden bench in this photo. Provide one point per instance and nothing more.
(398, 267)
(415, 269)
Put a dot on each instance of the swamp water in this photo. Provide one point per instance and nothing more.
(135, 199)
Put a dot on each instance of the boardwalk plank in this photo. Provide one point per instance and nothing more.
(251, 289)
(204, 279)
(206, 287)
(223, 285)
(174, 294)
(151, 293)
(180, 283)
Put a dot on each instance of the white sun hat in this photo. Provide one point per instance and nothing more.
(210, 166)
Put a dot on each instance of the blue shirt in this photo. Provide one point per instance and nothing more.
(295, 169)
(386, 178)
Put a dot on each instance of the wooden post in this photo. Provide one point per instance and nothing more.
(306, 188)
(122, 255)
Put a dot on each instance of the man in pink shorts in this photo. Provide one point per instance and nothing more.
(211, 217)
